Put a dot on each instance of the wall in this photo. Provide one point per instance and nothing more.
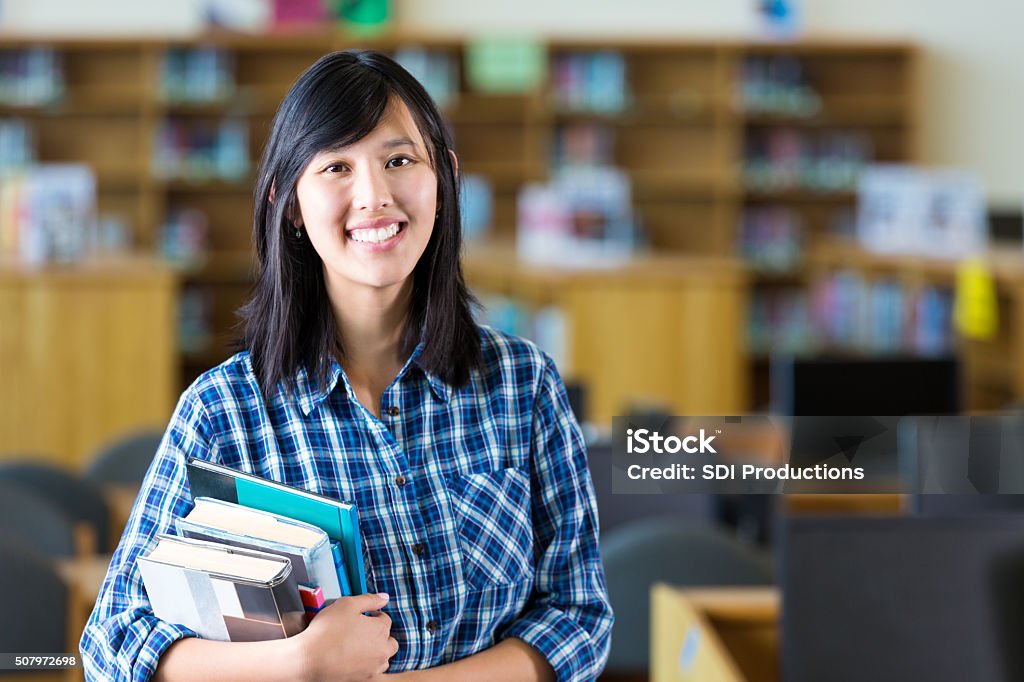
(972, 82)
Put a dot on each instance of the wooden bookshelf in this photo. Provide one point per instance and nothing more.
(681, 138)
(993, 368)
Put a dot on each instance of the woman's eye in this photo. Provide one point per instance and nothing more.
(398, 162)
(335, 168)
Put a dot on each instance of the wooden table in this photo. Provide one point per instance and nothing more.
(85, 575)
(119, 498)
(721, 634)
(84, 578)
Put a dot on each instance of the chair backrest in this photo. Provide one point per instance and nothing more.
(33, 520)
(614, 510)
(126, 460)
(640, 553)
(81, 500)
(35, 604)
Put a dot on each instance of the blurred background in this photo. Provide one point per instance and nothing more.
(790, 207)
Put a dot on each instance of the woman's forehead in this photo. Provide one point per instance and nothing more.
(395, 129)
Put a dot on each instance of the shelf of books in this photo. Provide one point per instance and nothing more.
(712, 150)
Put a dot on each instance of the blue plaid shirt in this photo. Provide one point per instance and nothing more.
(475, 505)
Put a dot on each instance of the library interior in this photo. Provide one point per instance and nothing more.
(789, 210)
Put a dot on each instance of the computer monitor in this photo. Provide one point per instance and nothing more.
(902, 598)
(845, 386)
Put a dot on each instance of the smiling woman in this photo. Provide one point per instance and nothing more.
(369, 208)
(365, 378)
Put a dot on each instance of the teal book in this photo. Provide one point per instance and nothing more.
(336, 518)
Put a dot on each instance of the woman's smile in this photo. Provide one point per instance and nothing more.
(383, 232)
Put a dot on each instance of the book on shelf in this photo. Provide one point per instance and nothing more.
(48, 213)
(903, 209)
(336, 518)
(437, 70)
(222, 592)
(582, 218)
(590, 82)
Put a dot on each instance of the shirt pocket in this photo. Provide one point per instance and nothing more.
(492, 515)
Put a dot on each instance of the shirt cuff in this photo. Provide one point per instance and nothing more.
(568, 648)
(137, 654)
(161, 636)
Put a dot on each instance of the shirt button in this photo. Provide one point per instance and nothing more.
(419, 548)
(433, 626)
(393, 411)
(401, 481)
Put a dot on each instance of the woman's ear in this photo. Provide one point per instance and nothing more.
(455, 162)
(289, 212)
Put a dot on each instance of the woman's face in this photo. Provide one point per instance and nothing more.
(369, 208)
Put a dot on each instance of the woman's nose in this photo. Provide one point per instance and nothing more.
(371, 191)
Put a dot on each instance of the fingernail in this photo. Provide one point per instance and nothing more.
(384, 595)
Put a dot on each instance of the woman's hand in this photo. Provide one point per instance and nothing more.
(343, 644)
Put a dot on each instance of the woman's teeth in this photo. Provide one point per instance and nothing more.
(381, 234)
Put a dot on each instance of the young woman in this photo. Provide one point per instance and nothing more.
(366, 379)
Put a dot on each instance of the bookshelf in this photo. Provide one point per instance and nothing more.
(708, 132)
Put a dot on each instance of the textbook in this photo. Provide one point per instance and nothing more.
(336, 518)
(308, 547)
(222, 592)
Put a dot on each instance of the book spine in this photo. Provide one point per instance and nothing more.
(354, 557)
(344, 584)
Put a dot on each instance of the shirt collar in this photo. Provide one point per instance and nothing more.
(310, 395)
(442, 391)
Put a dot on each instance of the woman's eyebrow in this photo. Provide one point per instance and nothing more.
(399, 142)
(387, 144)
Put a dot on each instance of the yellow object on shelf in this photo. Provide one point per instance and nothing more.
(975, 309)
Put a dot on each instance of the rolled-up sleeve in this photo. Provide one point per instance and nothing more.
(568, 619)
(123, 640)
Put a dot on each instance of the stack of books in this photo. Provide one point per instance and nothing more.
(254, 559)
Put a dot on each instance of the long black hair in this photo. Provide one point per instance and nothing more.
(288, 323)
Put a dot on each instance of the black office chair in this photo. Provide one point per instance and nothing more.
(126, 460)
(615, 510)
(34, 617)
(640, 553)
(36, 522)
(81, 500)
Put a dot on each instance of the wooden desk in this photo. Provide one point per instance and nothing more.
(84, 578)
(632, 329)
(120, 499)
(85, 575)
(721, 634)
(888, 504)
